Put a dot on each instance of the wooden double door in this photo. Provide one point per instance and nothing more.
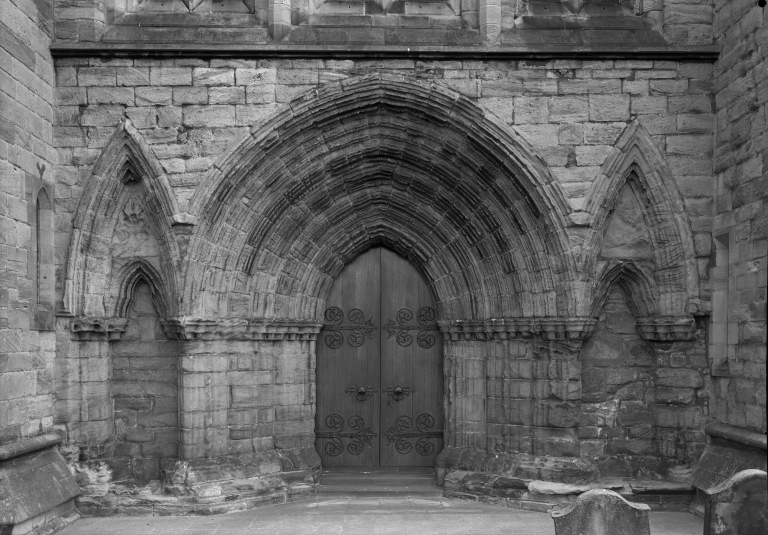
(379, 367)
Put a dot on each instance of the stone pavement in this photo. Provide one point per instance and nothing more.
(365, 503)
(396, 515)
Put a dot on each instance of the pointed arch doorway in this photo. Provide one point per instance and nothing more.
(379, 367)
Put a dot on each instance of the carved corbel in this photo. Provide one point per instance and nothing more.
(565, 329)
(667, 328)
(549, 329)
(244, 329)
(97, 328)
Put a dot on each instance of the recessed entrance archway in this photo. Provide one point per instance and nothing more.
(378, 161)
(379, 367)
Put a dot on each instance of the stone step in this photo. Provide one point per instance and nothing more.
(379, 470)
(378, 482)
(389, 480)
(377, 493)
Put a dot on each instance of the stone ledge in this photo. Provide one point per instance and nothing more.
(241, 50)
(28, 445)
(551, 329)
(183, 328)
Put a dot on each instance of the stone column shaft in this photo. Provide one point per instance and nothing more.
(489, 12)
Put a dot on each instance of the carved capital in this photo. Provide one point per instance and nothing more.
(173, 328)
(97, 328)
(667, 328)
(243, 329)
(564, 329)
(482, 330)
(551, 328)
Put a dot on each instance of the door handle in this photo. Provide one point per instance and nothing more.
(398, 392)
(361, 393)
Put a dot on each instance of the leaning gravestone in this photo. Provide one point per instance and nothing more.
(737, 506)
(602, 512)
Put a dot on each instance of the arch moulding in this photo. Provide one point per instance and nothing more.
(94, 290)
(383, 160)
(664, 297)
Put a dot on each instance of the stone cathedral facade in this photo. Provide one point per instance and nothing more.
(536, 228)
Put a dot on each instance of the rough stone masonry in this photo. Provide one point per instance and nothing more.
(581, 185)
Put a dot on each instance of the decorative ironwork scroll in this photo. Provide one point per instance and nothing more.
(401, 435)
(359, 436)
(398, 392)
(361, 393)
(425, 326)
(359, 327)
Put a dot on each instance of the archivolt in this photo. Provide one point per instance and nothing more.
(133, 274)
(380, 160)
(125, 159)
(637, 285)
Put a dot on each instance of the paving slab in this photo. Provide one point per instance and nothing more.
(424, 517)
(370, 503)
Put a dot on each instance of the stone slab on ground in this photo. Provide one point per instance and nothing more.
(550, 487)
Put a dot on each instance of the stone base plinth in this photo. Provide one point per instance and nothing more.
(540, 483)
(210, 486)
(517, 465)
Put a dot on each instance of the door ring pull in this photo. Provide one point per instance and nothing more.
(398, 392)
(361, 393)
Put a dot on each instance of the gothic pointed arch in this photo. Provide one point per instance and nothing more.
(375, 160)
(126, 214)
(638, 164)
(637, 285)
(44, 265)
(130, 276)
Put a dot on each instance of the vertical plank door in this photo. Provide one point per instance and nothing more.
(348, 367)
(379, 367)
(411, 367)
